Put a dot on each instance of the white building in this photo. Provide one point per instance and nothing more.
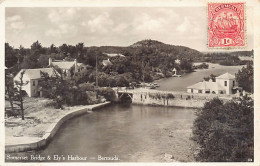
(174, 72)
(114, 54)
(225, 84)
(32, 77)
(69, 68)
(106, 63)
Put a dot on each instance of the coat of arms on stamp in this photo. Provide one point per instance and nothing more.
(226, 25)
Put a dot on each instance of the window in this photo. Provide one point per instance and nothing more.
(200, 91)
(191, 90)
(78, 70)
(33, 83)
(225, 83)
(233, 83)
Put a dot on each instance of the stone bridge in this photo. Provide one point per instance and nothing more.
(165, 98)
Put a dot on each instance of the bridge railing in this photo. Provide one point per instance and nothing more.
(176, 93)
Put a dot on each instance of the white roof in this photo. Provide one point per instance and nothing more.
(113, 55)
(206, 86)
(106, 62)
(36, 73)
(64, 65)
(227, 76)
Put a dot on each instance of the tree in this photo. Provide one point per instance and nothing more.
(31, 61)
(80, 51)
(10, 58)
(54, 87)
(37, 49)
(53, 49)
(9, 88)
(212, 77)
(43, 60)
(64, 49)
(245, 78)
(186, 65)
(19, 85)
(225, 131)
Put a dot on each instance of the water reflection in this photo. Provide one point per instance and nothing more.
(132, 132)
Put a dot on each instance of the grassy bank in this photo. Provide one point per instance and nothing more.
(39, 114)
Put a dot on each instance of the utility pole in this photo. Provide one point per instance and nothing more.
(143, 69)
(18, 61)
(96, 78)
(96, 72)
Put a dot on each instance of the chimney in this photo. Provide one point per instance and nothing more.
(50, 61)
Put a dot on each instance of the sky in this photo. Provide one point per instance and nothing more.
(110, 26)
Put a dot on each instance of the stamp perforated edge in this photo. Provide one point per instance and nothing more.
(245, 25)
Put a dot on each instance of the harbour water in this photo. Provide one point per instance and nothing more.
(180, 83)
(132, 133)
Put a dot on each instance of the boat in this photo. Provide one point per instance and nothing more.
(156, 85)
(176, 75)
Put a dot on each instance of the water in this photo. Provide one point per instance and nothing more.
(180, 83)
(131, 132)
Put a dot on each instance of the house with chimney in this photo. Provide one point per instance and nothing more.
(224, 84)
(70, 69)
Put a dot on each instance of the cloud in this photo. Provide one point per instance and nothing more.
(148, 23)
(121, 27)
(188, 26)
(62, 14)
(102, 23)
(63, 30)
(184, 26)
(15, 23)
(14, 18)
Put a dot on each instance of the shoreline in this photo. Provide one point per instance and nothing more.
(33, 143)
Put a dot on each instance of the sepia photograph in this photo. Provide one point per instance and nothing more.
(161, 84)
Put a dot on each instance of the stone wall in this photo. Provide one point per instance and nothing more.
(52, 130)
(176, 99)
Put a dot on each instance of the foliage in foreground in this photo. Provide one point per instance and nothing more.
(225, 131)
(67, 92)
(245, 78)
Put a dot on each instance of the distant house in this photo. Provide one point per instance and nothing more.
(106, 63)
(177, 61)
(69, 68)
(33, 77)
(225, 84)
(114, 54)
(174, 72)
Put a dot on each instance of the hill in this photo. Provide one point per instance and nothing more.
(153, 47)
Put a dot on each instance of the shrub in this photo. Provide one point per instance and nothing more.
(86, 87)
(225, 131)
(108, 93)
(170, 96)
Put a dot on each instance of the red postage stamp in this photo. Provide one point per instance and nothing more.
(226, 25)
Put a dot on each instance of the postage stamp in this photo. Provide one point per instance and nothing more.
(104, 82)
(226, 25)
